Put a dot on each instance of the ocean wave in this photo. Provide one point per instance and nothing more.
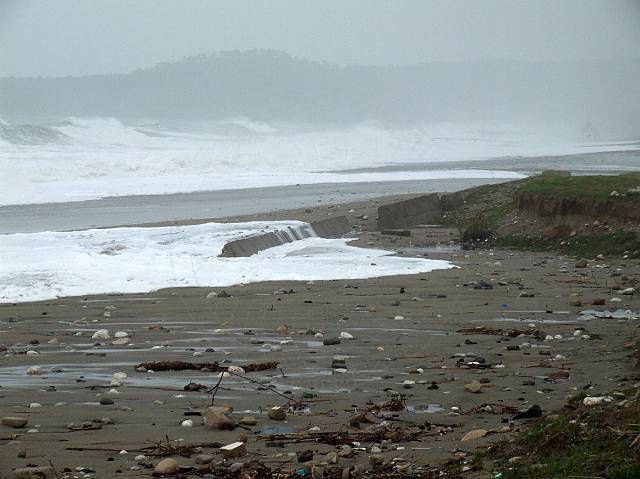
(88, 158)
(29, 134)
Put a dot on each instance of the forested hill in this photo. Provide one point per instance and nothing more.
(270, 85)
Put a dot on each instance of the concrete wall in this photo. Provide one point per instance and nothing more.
(421, 210)
(334, 227)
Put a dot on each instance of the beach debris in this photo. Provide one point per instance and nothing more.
(196, 387)
(283, 330)
(513, 333)
(530, 413)
(339, 362)
(482, 285)
(615, 314)
(46, 472)
(305, 455)
(493, 408)
(380, 432)
(235, 449)
(211, 367)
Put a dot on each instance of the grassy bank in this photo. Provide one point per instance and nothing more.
(620, 243)
(598, 186)
(492, 217)
(596, 442)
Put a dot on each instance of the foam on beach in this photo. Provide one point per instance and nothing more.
(47, 265)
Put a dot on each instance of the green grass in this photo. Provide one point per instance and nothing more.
(584, 186)
(585, 246)
(580, 443)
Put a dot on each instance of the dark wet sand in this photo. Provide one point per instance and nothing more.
(394, 333)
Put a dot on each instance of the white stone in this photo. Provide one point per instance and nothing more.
(236, 370)
(596, 400)
(120, 334)
(101, 334)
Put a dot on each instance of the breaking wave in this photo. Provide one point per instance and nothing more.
(88, 158)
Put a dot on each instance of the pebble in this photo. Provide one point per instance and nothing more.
(277, 413)
(596, 400)
(204, 458)
(14, 421)
(473, 387)
(218, 417)
(248, 421)
(166, 466)
(34, 370)
(101, 334)
(474, 434)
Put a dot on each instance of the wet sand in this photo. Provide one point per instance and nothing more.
(405, 328)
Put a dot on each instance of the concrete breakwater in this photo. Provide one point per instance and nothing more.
(334, 227)
(423, 209)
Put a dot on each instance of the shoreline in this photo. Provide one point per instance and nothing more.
(407, 341)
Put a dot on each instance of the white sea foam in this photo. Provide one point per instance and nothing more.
(46, 265)
(100, 157)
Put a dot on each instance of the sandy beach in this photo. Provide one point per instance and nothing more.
(408, 340)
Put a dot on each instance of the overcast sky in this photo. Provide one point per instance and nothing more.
(78, 37)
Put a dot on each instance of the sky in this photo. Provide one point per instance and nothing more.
(80, 37)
